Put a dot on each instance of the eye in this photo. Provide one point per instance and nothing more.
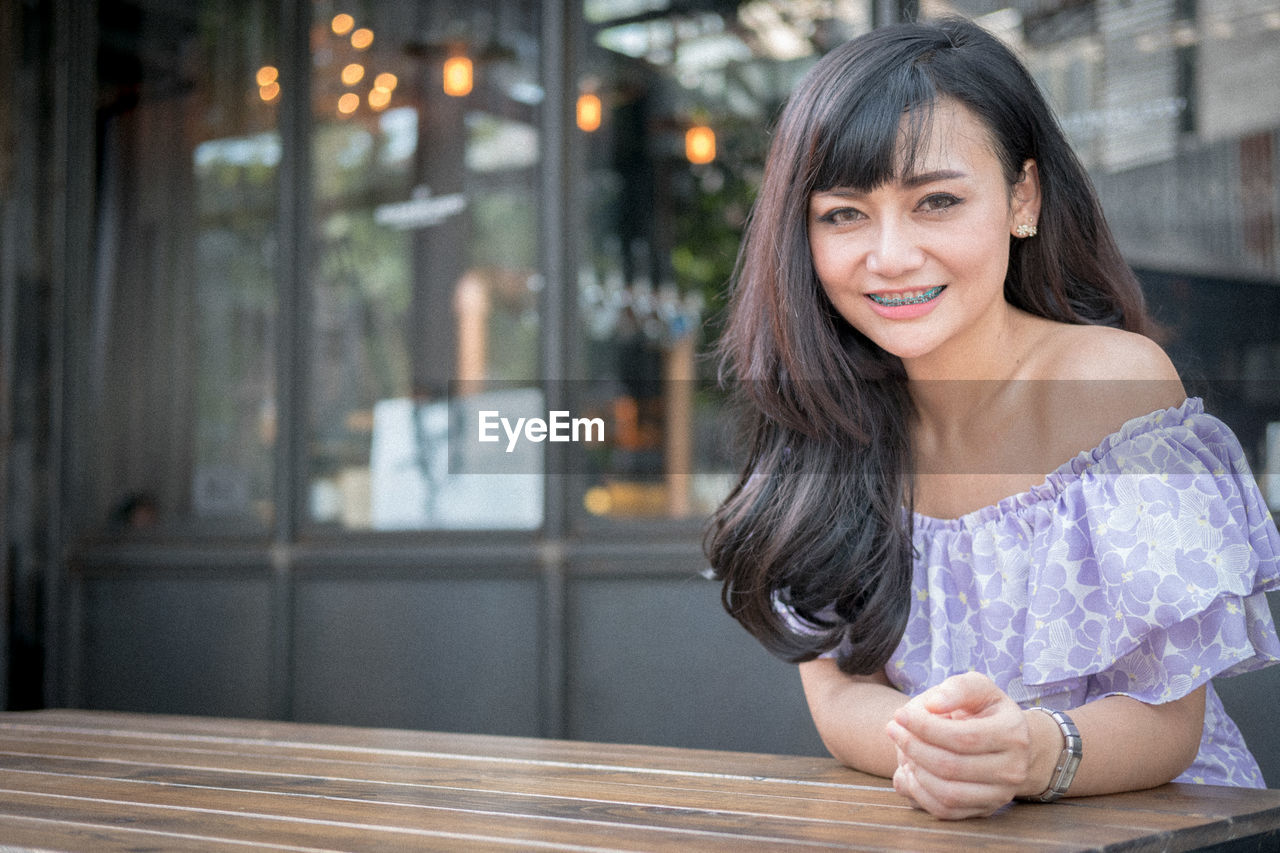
(840, 215)
(939, 201)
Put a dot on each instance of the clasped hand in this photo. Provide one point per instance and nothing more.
(964, 748)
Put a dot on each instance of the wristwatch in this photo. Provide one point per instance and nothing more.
(1068, 761)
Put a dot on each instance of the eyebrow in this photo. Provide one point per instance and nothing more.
(909, 182)
(912, 181)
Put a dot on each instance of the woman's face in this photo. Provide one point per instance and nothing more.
(918, 264)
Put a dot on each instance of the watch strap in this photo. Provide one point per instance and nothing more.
(1068, 760)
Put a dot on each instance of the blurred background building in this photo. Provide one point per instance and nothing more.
(254, 252)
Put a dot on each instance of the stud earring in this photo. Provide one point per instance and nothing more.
(1025, 231)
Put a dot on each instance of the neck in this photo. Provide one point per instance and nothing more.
(950, 384)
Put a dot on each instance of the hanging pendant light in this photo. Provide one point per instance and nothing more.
(700, 144)
(458, 76)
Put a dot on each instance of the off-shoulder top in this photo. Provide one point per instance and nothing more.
(1137, 568)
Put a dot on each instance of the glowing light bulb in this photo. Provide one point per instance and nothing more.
(385, 80)
(267, 75)
(352, 74)
(269, 92)
(362, 38)
(379, 98)
(589, 111)
(348, 103)
(598, 501)
(700, 144)
(342, 24)
(457, 76)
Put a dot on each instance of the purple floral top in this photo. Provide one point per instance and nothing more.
(1137, 568)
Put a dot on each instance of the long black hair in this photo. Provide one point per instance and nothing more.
(814, 543)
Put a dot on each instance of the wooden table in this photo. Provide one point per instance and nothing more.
(81, 780)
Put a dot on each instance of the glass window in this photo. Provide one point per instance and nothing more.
(425, 156)
(182, 338)
(424, 278)
(673, 105)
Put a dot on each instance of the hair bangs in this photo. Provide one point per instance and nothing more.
(881, 133)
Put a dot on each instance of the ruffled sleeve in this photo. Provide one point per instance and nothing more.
(1157, 554)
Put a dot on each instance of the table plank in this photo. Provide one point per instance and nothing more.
(305, 786)
(328, 738)
(61, 833)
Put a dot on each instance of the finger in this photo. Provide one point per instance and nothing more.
(949, 800)
(970, 692)
(969, 736)
(903, 785)
(1005, 768)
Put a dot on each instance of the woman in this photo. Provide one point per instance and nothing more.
(975, 489)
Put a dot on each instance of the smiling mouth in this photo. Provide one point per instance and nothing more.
(909, 298)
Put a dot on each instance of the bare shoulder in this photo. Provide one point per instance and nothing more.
(1104, 354)
(1097, 379)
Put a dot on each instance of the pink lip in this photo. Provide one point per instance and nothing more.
(903, 312)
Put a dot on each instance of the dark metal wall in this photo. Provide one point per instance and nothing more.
(643, 652)
(30, 175)
(8, 294)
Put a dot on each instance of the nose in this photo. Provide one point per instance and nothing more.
(895, 251)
